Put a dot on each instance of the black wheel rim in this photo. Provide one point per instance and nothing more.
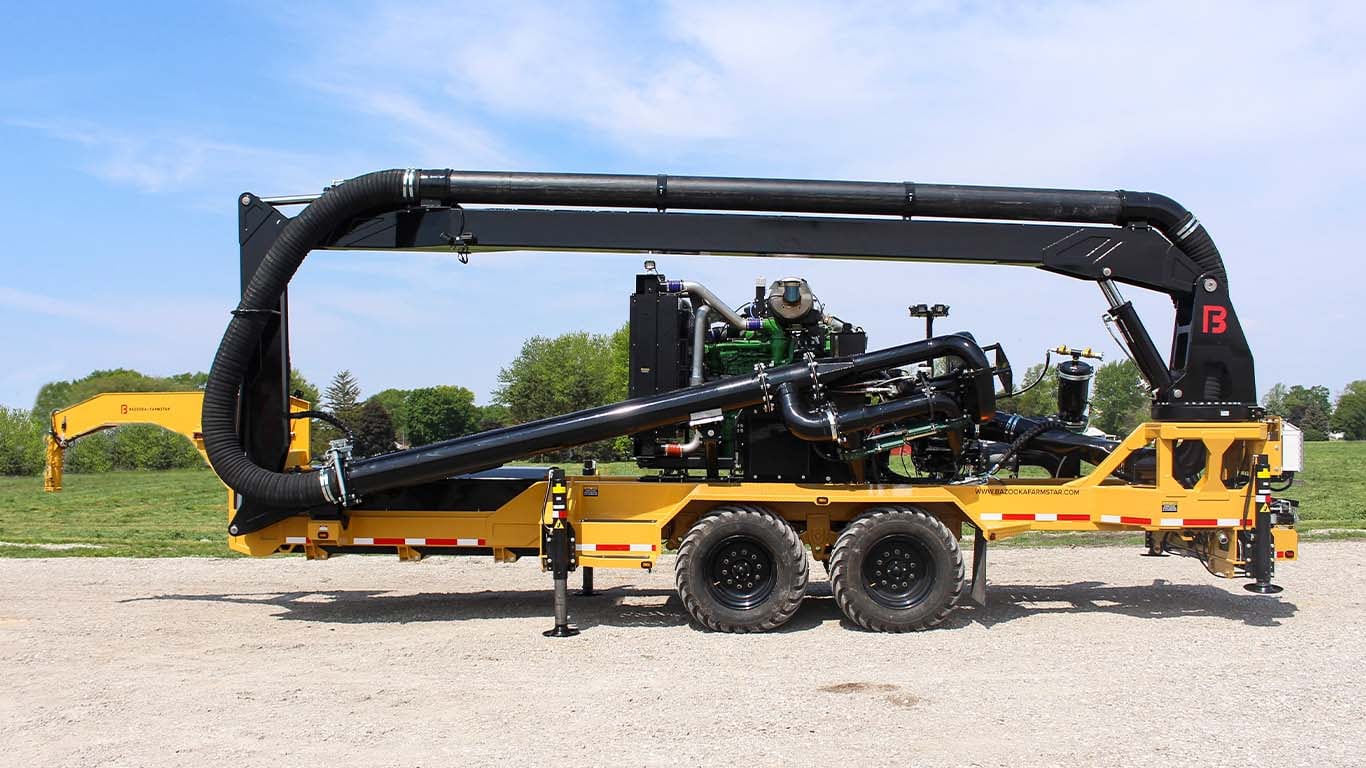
(741, 573)
(898, 572)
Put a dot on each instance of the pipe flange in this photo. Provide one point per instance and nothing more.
(765, 387)
(817, 389)
(410, 184)
(338, 453)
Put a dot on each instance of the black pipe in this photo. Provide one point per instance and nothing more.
(364, 195)
(390, 190)
(848, 197)
(488, 449)
(1047, 435)
(827, 423)
(936, 405)
(814, 425)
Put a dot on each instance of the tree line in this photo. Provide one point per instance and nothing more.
(548, 377)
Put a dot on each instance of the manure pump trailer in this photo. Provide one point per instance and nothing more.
(769, 429)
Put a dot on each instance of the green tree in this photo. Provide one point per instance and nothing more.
(493, 416)
(21, 443)
(342, 395)
(1310, 410)
(1274, 400)
(567, 373)
(1041, 400)
(1349, 417)
(374, 430)
(439, 413)
(144, 446)
(1119, 403)
(395, 401)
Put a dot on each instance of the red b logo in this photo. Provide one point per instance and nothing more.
(1216, 319)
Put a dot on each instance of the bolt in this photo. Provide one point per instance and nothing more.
(1106, 271)
(1177, 392)
(232, 530)
(1211, 285)
(246, 199)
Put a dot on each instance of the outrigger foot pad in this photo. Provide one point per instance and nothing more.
(1264, 589)
(564, 630)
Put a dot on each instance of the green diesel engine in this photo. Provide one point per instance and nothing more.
(683, 335)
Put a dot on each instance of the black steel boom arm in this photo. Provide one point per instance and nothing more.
(1143, 239)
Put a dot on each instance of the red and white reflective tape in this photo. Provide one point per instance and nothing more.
(1200, 522)
(1263, 498)
(393, 542)
(1164, 522)
(617, 547)
(1047, 517)
(1125, 520)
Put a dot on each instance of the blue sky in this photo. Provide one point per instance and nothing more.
(126, 132)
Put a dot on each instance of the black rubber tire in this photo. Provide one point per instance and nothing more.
(937, 559)
(706, 601)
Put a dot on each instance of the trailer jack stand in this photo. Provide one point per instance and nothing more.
(587, 590)
(562, 628)
(979, 568)
(558, 545)
(1263, 543)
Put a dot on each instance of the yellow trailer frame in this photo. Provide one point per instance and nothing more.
(629, 522)
(624, 522)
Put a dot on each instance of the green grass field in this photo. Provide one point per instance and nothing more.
(183, 512)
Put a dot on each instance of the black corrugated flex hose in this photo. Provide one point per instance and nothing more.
(362, 195)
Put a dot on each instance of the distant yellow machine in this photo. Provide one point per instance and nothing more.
(176, 411)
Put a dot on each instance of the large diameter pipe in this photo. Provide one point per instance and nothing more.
(489, 449)
(701, 294)
(699, 345)
(846, 197)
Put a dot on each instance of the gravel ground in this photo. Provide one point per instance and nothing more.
(1085, 657)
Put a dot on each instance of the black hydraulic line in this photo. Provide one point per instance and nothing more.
(827, 423)
(1048, 435)
(325, 417)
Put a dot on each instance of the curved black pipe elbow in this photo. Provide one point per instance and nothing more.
(1178, 224)
(818, 425)
(363, 195)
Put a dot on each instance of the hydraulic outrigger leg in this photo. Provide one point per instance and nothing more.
(1263, 543)
(558, 545)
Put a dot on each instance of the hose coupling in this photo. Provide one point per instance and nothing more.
(338, 454)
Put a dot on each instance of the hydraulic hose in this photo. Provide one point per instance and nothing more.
(368, 194)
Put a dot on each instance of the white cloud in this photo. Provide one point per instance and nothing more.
(1247, 116)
